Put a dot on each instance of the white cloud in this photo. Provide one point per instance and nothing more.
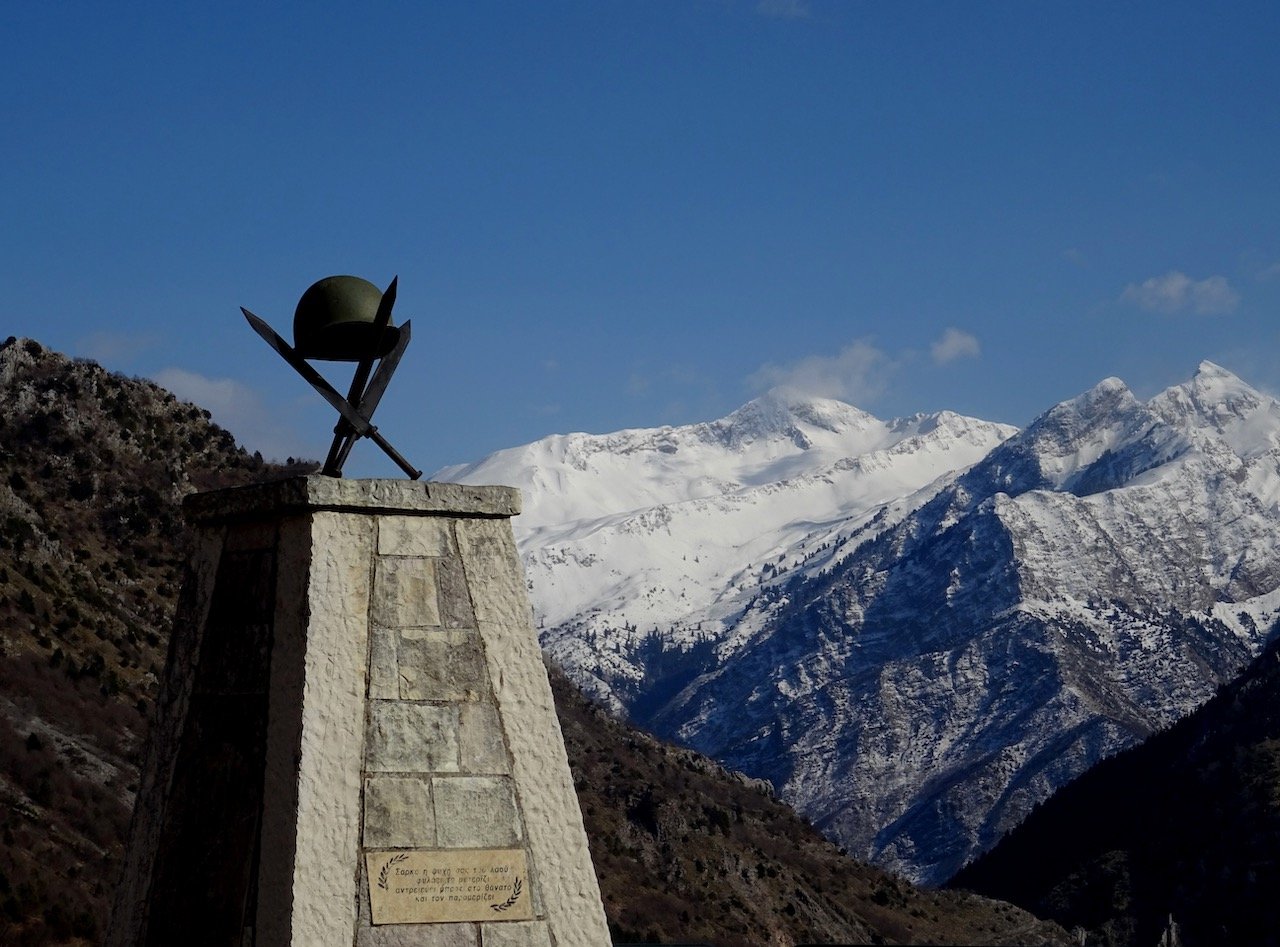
(1176, 292)
(239, 409)
(1074, 256)
(1268, 273)
(954, 344)
(858, 374)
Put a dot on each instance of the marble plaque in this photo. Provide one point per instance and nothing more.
(430, 887)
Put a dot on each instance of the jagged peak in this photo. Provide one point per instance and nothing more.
(1209, 393)
(785, 412)
(1096, 406)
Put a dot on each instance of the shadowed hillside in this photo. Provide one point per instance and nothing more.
(93, 467)
(1187, 826)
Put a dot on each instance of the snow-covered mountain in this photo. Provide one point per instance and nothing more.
(658, 539)
(916, 629)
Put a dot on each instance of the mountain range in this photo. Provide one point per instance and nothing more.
(93, 467)
(916, 629)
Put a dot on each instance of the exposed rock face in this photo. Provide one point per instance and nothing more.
(916, 676)
(1181, 830)
(91, 549)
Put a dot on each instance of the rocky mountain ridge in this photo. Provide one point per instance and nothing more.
(1181, 831)
(920, 670)
(92, 468)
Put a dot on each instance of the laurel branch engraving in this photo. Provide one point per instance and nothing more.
(382, 875)
(515, 896)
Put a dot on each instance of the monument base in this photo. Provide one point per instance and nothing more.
(355, 741)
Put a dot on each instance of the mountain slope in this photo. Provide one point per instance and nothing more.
(652, 542)
(1185, 825)
(93, 467)
(916, 672)
(1091, 580)
(92, 470)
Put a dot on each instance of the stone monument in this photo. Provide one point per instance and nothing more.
(354, 743)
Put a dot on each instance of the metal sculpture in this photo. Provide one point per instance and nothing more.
(346, 319)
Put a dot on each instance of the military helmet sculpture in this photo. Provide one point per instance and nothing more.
(346, 319)
(336, 321)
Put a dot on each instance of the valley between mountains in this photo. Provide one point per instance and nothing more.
(916, 629)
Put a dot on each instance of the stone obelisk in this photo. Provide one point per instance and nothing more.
(355, 743)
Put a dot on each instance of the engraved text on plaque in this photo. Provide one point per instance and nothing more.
(424, 887)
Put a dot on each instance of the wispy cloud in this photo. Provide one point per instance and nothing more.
(1177, 292)
(954, 344)
(784, 9)
(116, 348)
(1074, 256)
(858, 373)
(1268, 273)
(238, 408)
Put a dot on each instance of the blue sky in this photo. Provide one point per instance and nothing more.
(620, 214)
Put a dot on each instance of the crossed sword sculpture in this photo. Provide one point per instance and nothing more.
(358, 406)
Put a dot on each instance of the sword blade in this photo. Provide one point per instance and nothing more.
(309, 374)
(377, 387)
(355, 394)
(317, 381)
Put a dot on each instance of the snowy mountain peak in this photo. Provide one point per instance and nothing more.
(918, 627)
(1217, 406)
(786, 413)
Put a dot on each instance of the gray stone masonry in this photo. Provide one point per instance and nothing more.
(354, 672)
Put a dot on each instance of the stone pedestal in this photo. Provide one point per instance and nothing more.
(355, 743)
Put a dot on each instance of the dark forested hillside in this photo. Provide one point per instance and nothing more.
(93, 467)
(1185, 826)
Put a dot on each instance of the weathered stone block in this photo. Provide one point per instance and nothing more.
(410, 935)
(398, 813)
(494, 576)
(475, 811)
(441, 665)
(414, 536)
(480, 734)
(411, 738)
(455, 599)
(384, 666)
(405, 593)
(515, 934)
(419, 935)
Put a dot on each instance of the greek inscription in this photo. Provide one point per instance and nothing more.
(427, 887)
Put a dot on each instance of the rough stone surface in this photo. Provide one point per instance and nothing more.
(327, 821)
(419, 935)
(412, 738)
(475, 812)
(565, 879)
(414, 536)
(497, 584)
(405, 593)
(302, 494)
(517, 934)
(398, 813)
(441, 665)
(384, 663)
(480, 738)
(455, 600)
